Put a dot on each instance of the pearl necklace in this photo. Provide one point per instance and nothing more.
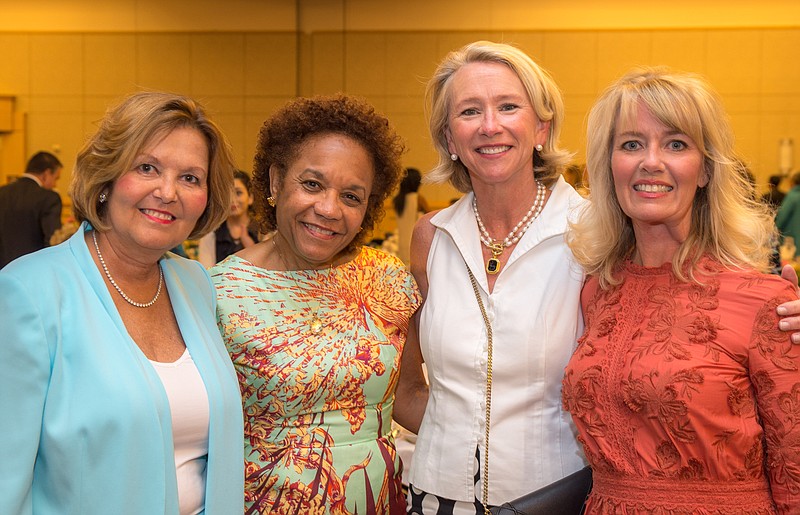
(497, 247)
(116, 286)
(316, 323)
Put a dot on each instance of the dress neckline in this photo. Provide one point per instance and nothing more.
(637, 269)
(305, 271)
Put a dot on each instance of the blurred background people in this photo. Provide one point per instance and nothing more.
(315, 321)
(573, 174)
(116, 390)
(239, 230)
(788, 216)
(682, 386)
(408, 205)
(30, 211)
(500, 315)
(774, 196)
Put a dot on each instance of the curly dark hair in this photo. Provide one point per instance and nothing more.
(284, 133)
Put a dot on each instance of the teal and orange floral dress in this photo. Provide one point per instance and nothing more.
(318, 403)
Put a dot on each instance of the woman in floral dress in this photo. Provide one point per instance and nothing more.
(315, 322)
(685, 394)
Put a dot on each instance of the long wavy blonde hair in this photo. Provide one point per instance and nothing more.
(727, 221)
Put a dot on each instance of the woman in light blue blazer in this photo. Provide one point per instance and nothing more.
(116, 392)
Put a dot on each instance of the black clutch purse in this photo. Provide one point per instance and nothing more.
(564, 497)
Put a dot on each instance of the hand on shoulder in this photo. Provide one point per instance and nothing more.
(789, 311)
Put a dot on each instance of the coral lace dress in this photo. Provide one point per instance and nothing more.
(318, 399)
(686, 396)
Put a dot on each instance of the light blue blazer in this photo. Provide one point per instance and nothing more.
(85, 424)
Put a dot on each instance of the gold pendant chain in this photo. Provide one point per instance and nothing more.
(316, 325)
(489, 348)
(497, 247)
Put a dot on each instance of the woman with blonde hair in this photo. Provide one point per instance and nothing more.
(726, 219)
(500, 315)
(681, 386)
(116, 392)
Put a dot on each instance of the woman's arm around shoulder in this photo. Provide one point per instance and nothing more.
(411, 396)
(421, 240)
(790, 311)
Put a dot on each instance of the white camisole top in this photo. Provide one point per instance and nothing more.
(188, 404)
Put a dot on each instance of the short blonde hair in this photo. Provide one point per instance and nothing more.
(727, 222)
(542, 92)
(125, 131)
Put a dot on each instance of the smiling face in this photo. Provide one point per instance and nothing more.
(656, 171)
(155, 205)
(242, 199)
(322, 199)
(492, 126)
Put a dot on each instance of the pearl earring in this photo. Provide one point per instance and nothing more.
(454, 157)
(539, 148)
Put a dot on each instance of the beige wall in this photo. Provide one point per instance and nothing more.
(63, 83)
(388, 15)
(66, 61)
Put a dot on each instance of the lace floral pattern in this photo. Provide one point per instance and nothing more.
(688, 385)
(318, 407)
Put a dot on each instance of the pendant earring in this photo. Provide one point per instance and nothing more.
(271, 201)
(454, 157)
(539, 148)
(103, 197)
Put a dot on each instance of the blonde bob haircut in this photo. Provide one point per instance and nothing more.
(727, 222)
(125, 131)
(542, 92)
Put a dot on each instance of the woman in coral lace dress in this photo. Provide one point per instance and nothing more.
(315, 322)
(685, 394)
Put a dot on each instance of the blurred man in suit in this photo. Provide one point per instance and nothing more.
(30, 211)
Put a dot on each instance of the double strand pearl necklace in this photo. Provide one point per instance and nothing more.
(116, 286)
(316, 323)
(497, 247)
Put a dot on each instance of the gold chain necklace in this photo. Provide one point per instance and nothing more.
(316, 325)
(489, 348)
(116, 286)
(497, 247)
